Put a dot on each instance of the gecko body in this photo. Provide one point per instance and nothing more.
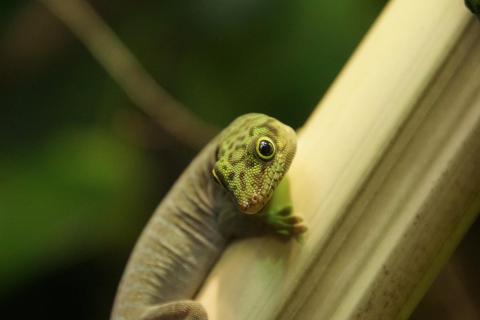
(226, 192)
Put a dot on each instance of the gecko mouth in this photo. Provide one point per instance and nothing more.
(251, 202)
(251, 208)
(219, 178)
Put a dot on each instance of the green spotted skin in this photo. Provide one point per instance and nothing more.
(199, 217)
(242, 171)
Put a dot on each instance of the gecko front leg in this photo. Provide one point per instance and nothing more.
(278, 212)
(276, 217)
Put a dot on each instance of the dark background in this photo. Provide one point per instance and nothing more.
(82, 167)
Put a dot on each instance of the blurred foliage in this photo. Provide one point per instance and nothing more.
(225, 58)
(77, 195)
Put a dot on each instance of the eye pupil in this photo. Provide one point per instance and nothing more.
(265, 148)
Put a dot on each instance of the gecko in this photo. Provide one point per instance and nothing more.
(235, 187)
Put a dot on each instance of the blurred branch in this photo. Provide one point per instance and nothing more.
(126, 70)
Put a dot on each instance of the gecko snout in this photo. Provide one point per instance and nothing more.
(253, 206)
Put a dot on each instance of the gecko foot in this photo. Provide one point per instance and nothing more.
(286, 224)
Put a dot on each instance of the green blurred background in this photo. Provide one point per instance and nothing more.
(82, 168)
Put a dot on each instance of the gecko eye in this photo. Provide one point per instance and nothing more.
(265, 148)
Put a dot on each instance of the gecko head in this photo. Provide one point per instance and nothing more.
(254, 154)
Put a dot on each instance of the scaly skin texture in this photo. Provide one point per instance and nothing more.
(226, 192)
